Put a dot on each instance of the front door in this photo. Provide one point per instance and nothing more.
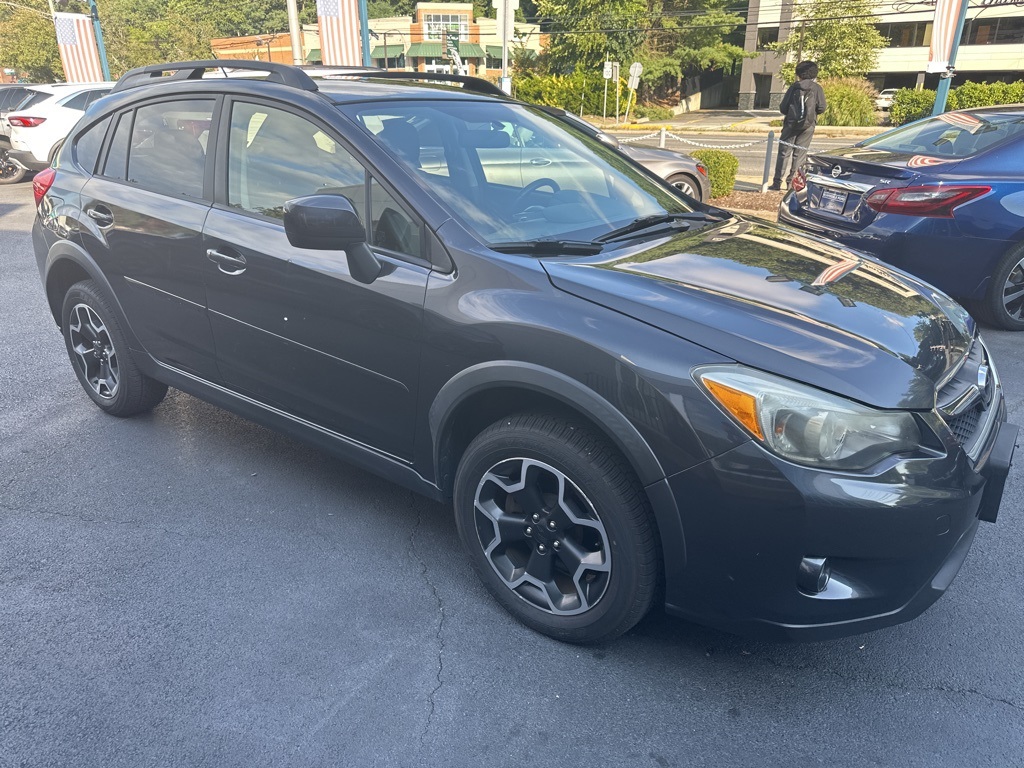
(293, 328)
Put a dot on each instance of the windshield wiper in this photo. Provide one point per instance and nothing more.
(546, 247)
(656, 220)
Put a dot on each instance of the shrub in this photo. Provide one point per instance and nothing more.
(722, 167)
(850, 100)
(909, 105)
(971, 95)
(652, 112)
(567, 91)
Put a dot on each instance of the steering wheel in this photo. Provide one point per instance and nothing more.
(532, 187)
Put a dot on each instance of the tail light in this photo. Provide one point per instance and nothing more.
(702, 169)
(799, 182)
(933, 201)
(42, 182)
(26, 122)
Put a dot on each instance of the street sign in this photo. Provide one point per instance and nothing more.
(607, 70)
(636, 69)
(633, 83)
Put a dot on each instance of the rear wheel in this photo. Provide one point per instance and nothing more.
(1003, 307)
(10, 172)
(686, 184)
(100, 356)
(558, 528)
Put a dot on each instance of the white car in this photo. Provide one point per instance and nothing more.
(884, 99)
(39, 125)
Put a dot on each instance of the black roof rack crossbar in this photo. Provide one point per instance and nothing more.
(469, 83)
(193, 70)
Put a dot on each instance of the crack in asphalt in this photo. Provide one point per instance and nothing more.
(894, 687)
(80, 518)
(438, 635)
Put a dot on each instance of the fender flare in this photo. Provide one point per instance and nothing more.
(503, 373)
(66, 250)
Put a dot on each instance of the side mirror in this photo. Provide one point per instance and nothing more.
(330, 223)
(608, 139)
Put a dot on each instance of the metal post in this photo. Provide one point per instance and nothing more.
(385, 33)
(767, 161)
(604, 110)
(661, 139)
(295, 33)
(942, 92)
(615, 77)
(99, 39)
(364, 28)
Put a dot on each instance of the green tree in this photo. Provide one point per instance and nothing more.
(28, 43)
(838, 34)
(585, 33)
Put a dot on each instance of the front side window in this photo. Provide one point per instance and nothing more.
(511, 173)
(275, 156)
(168, 146)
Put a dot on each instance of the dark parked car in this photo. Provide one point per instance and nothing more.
(942, 198)
(11, 95)
(625, 394)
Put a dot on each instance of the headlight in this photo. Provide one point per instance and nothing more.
(806, 425)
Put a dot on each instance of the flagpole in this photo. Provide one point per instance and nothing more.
(364, 28)
(942, 92)
(99, 38)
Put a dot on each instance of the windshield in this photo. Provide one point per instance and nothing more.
(954, 134)
(511, 173)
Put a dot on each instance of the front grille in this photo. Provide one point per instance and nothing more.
(965, 404)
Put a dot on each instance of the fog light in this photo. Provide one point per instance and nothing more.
(813, 575)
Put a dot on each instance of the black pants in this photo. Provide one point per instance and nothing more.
(791, 135)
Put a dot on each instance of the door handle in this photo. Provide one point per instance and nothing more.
(101, 216)
(226, 263)
(540, 161)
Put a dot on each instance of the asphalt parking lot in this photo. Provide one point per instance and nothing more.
(189, 589)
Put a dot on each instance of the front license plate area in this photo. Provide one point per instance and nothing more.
(832, 200)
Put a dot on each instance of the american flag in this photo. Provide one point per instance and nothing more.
(339, 32)
(947, 14)
(78, 52)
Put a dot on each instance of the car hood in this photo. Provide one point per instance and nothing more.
(785, 303)
(901, 165)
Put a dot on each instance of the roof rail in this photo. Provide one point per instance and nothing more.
(193, 70)
(474, 84)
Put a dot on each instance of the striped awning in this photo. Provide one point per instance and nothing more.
(434, 50)
(392, 51)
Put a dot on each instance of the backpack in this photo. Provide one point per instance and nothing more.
(797, 112)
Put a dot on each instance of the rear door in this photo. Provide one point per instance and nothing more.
(144, 215)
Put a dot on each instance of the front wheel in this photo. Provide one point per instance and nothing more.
(10, 172)
(100, 356)
(1003, 307)
(558, 527)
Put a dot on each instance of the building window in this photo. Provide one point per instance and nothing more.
(435, 24)
(993, 31)
(907, 34)
(766, 36)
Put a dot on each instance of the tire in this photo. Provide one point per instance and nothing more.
(686, 184)
(1003, 305)
(10, 172)
(584, 570)
(99, 353)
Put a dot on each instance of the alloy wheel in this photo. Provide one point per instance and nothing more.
(95, 353)
(1013, 292)
(542, 536)
(685, 187)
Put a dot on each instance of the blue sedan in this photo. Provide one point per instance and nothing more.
(942, 198)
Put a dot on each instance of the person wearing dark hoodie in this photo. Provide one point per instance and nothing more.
(801, 105)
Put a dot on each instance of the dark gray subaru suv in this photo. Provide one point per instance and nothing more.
(626, 395)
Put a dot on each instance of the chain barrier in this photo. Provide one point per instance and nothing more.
(714, 146)
(640, 138)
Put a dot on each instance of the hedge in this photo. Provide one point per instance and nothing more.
(850, 101)
(909, 104)
(722, 167)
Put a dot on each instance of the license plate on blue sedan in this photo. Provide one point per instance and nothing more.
(832, 201)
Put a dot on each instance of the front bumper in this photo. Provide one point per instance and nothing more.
(894, 541)
(27, 160)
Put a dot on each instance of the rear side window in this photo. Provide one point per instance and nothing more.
(78, 101)
(117, 156)
(168, 146)
(87, 148)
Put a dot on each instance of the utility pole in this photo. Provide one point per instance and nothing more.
(364, 28)
(295, 32)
